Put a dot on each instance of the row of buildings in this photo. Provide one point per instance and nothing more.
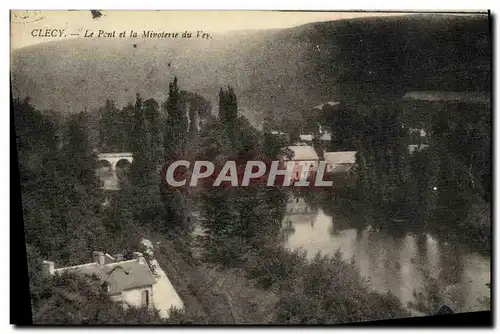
(307, 161)
(342, 162)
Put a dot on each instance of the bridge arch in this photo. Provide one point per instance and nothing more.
(102, 163)
(122, 167)
(123, 163)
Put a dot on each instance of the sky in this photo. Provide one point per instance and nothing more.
(78, 21)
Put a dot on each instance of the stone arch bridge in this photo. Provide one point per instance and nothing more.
(113, 160)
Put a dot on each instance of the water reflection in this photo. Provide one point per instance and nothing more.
(400, 264)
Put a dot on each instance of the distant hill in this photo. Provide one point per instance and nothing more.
(282, 73)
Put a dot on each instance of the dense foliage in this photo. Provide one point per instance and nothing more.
(244, 226)
(447, 182)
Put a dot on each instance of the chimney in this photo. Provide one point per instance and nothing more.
(98, 257)
(48, 267)
(139, 257)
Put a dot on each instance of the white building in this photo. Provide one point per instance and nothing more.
(416, 148)
(326, 136)
(323, 135)
(280, 134)
(308, 138)
(338, 162)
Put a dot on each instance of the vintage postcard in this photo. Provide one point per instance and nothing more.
(252, 167)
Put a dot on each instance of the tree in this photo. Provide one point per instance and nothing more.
(71, 299)
(77, 156)
(144, 165)
(151, 113)
(198, 110)
(238, 219)
(228, 105)
(177, 124)
(110, 127)
(61, 195)
(228, 110)
(329, 291)
(127, 117)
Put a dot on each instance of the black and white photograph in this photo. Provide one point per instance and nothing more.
(251, 167)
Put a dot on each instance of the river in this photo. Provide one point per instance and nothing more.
(403, 264)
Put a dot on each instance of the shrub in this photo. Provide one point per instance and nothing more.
(270, 265)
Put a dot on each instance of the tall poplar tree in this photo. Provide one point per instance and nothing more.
(143, 165)
(80, 162)
(177, 124)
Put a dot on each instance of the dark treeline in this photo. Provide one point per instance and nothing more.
(116, 127)
(62, 216)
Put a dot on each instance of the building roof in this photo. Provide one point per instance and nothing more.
(471, 97)
(130, 274)
(306, 137)
(280, 133)
(305, 152)
(345, 157)
(320, 106)
(326, 136)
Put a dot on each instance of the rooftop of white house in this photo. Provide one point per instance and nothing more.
(118, 275)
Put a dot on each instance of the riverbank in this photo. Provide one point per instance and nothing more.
(418, 264)
(473, 231)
